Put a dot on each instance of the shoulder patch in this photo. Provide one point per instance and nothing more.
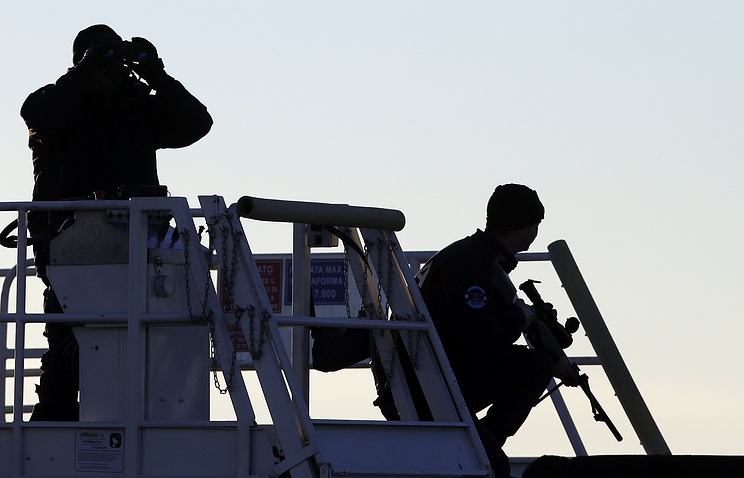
(475, 297)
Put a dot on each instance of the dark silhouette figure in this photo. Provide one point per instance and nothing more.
(479, 320)
(94, 134)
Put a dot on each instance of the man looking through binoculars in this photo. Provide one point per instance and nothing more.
(93, 135)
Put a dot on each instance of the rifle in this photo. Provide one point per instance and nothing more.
(552, 337)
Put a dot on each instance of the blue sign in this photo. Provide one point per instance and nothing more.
(326, 282)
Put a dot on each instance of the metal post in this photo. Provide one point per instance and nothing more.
(21, 262)
(137, 305)
(301, 307)
(20, 347)
(608, 353)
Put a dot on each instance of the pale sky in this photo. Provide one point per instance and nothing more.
(623, 115)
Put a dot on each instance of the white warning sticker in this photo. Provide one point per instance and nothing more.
(99, 450)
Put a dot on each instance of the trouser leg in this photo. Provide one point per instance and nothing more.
(492, 446)
(58, 383)
(513, 388)
(525, 376)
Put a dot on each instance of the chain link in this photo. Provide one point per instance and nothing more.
(346, 282)
(363, 293)
(381, 311)
(230, 265)
(414, 336)
(383, 308)
(187, 267)
(207, 314)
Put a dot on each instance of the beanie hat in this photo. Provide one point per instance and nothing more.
(512, 207)
(84, 39)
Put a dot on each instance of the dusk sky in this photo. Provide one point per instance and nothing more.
(624, 116)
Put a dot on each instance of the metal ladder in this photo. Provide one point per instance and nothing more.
(607, 355)
(446, 446)
(442, 444)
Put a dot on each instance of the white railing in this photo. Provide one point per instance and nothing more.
(606, 356)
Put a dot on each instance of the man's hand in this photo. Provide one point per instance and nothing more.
(151, 69)
(101, 49)
(148, 47)
(562, 369)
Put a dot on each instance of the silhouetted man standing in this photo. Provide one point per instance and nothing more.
(94, 134)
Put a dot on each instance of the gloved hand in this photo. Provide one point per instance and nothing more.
(527, 311)
(100, 50)
(151, 68)
(562, 369)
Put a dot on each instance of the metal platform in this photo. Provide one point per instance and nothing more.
(161, 306)
(146, 325)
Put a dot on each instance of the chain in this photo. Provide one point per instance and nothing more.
(265, 317)
(390, 268)
(251, 330)
(346, 282)
(414, 345)
(228, 273)
(230, 265)
(256, 344)
(382, 311)
(203, 316)
(362, 312)
(207, 314)
(228, 276)
(365, 276)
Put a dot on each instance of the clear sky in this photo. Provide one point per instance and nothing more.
(625, 117)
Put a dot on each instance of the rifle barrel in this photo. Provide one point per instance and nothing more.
(599, 414)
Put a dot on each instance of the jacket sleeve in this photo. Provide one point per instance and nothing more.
(48, 113)
(181, 118)
(47, 110)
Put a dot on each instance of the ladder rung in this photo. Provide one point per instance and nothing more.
(284, 320)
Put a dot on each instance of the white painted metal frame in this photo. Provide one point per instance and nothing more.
(306, 444)
(135, 424)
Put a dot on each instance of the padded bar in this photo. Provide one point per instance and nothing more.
(321, 214)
